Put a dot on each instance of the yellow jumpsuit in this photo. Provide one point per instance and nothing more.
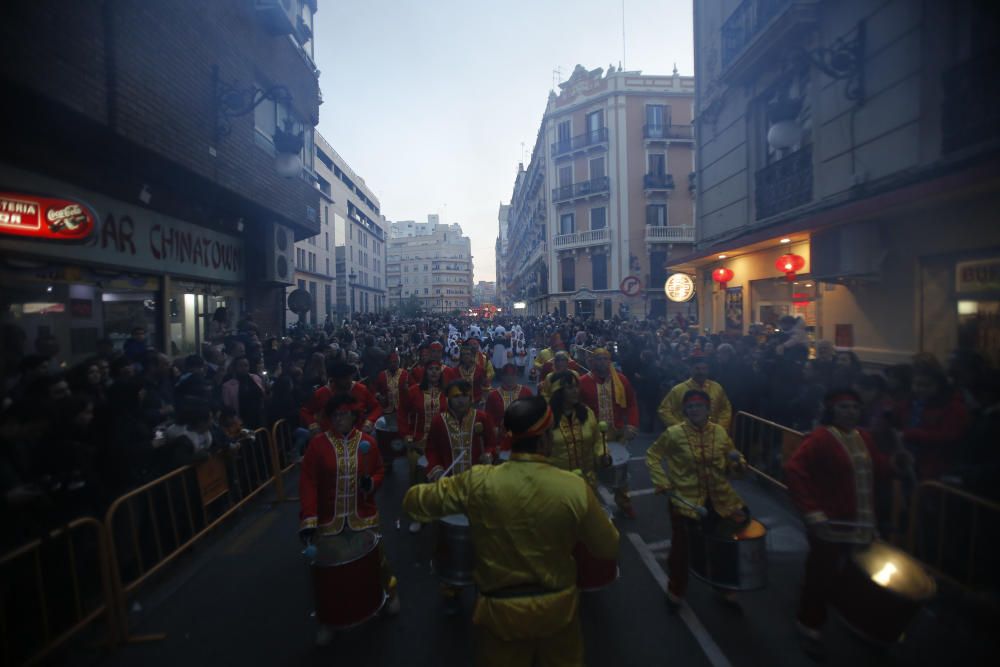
(576, 446)
(671, 410)
(525, 517)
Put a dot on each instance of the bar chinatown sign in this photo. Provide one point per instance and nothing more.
(44, 217)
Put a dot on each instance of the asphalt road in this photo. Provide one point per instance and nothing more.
(245, 598)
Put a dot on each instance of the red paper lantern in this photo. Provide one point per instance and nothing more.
(722, 275)
(789, 264)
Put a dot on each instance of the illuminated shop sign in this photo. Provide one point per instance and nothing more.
(44, 217)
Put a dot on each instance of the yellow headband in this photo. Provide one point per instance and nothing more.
(600, 352)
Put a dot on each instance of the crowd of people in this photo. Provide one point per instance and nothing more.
(130, 413)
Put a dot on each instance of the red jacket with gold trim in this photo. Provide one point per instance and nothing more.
(402, 386)
(496, 404)
(413, 421)
(325, 506)
(447, 438)
(627, 416)
(479, 381)
(312, 412)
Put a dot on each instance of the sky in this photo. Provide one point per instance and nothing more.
(430, 101)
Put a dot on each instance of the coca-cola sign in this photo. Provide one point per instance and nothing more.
(44, 217)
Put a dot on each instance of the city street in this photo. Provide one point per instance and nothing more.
(246, 599)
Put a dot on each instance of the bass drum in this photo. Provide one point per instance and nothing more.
(347, 578)
(454, 557)
(731, 561)
(880, 590)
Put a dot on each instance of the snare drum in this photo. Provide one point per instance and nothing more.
(454, 558)
(734, 562)
(347, 578)
(593, 574)
(880, 590)
(615, 476)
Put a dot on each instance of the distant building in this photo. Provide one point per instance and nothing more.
(605, 196)
(862, 139)
(430, 262)
(500, 251)
(484, 292)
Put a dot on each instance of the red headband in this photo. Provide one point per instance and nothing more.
(541, 426)
(436, 346)
(696, 399)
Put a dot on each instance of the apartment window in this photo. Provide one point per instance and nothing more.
(328, 241)
(562, 308)
(657, 164)
(595, 123)
(657, 269)
(564, 133)
(598, 218)
(656, 215)
(657, 116)
(597, 168)
(300, 257)
(568, 266)
(566, 223)
(327, 266)
(599, 267)
(312, 262)
(565, 176)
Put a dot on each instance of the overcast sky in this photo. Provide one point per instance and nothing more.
(430, 100)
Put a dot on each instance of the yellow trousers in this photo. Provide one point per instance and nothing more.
(563, 649)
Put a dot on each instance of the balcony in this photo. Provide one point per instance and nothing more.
(679, 234)
(668, 132)
(971, 110)
(581, 143)
(582, 239)
(593, 187)
(653, 182)
(785, 184)
(756, 27)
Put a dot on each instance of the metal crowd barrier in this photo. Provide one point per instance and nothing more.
(151, 526)
(53, 589)
(948, 525)
(766, 445)
(285, 455)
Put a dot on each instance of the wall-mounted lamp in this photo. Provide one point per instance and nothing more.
(843, 60)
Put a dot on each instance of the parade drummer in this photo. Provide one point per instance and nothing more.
(831, 480)
(461, 434)
(482, 362)
(577, 443)
(560, 364)
(468, 369)
(700, 458)
(499, 400)
(423, 403)
(610, 395)
(391, 386)
(423, 356)
(341, 383)
(671, 410)
(525, 518)
(341, 472)
(546, 355)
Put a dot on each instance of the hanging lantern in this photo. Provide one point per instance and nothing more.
(722, 275)
(789, 264)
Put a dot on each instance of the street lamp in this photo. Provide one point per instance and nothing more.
(351, 277)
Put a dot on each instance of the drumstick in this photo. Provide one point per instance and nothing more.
(454, 463)
(851, 524)
(603, 428)
(698, 509)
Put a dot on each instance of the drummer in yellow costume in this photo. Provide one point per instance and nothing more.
(576, 439)
(526, 516)
(560, 363)
(700, 457)
(671, 410)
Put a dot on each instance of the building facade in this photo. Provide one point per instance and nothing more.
(856, 143)
(484, 292)
(605, 200)
(430, 265)
(499, 252)
(187, 132)
(359, 231)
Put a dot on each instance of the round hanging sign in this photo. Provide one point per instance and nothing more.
(679, 287)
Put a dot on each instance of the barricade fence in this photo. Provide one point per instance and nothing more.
(766, 445)
(55, 588)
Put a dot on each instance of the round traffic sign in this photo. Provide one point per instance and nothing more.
(630, 286)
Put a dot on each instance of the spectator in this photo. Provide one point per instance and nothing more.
(933, 421)
(127, 458)
(244, 393)
(135, 347)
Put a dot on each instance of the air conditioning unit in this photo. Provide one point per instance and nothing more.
(854, 251)
(279, 257)
(278, 17)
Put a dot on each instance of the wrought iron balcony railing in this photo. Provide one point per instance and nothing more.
(667, 131)
(785, 184)
(581, 141)
(744, 23)
(594, 186)
(658, 182)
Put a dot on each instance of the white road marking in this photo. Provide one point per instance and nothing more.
(658, 546)
(637, 458)
(708, 645)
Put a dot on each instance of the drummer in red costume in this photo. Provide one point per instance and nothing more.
(610, 395)
(423, 403)
(468, 369)
(831, 480)
(391, 386)
(341, 382)
(342, 456)
(435, 352)
(499, 400)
